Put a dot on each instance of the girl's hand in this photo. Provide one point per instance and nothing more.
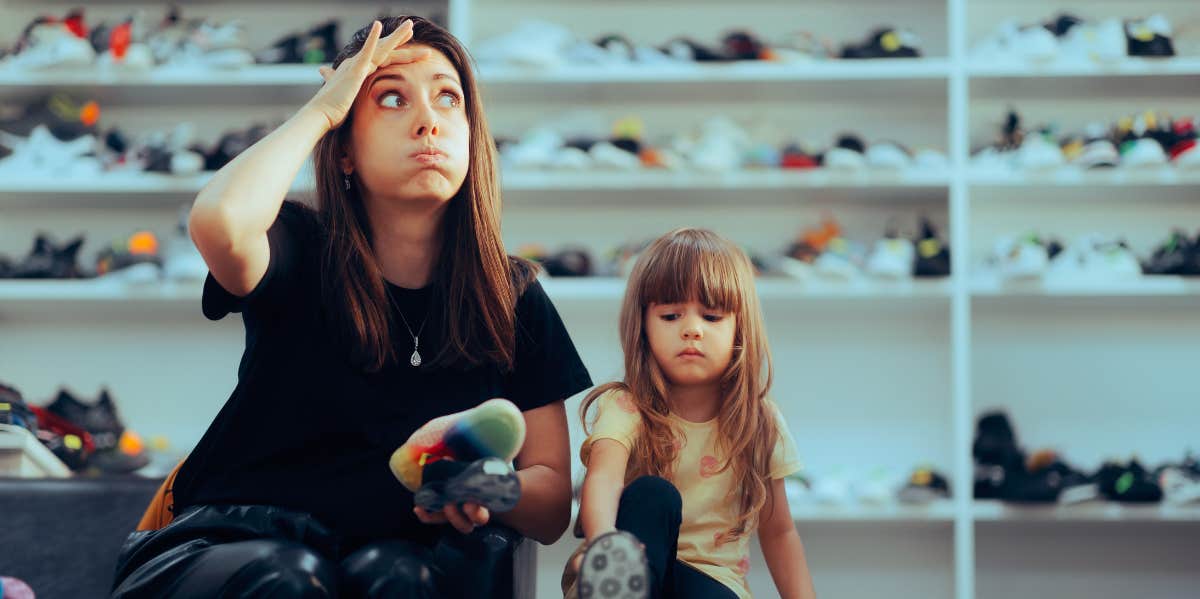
(463, 519)
(335, 98)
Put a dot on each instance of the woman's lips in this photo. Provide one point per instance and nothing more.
(429, 158)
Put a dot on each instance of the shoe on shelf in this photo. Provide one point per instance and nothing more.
(924, 486)
(933, 256)
(1149, 37)
(133, 259)
(49, 260)
(885, 42)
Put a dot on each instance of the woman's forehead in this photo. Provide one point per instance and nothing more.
(433, 67)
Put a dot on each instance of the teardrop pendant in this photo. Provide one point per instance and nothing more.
(415, 360)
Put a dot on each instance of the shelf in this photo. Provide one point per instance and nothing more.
(769, 290)
(1073, 177)
(996, 511)
(1129, 67)
(939, 511)
(146, 188)
(738, 72)
(1144, 286)
(50, 298)
(616, 180)
(254, 76)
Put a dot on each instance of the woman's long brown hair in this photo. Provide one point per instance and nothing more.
(474, 279)
(681, 266)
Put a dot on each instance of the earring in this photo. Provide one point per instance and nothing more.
(346, 180)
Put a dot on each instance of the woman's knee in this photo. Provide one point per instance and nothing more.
(652, 492)
(388, 569)
(272, 568)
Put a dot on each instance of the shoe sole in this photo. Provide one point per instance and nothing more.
(614, 567)
(490, 483)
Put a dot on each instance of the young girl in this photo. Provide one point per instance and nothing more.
(686, 456)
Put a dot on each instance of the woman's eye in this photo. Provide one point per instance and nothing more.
(449, 100)
(391, 100)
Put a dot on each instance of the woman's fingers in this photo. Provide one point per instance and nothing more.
(428, 517)
(477, 513)
(368, 50)
(326, 72)
(405, 56)
(457, 519)
(395, 39)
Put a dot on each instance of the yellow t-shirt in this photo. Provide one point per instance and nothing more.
(706, 511)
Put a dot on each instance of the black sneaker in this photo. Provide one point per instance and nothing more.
(1128, 483)
(885, 42)
(933, 257)
(48, 260)
(998, 459)
(1043, 479)
(103, 423)
(1175, 256)
(614, 567)
(1150, 37)
(489, 482)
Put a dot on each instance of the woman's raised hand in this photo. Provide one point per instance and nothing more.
(335, 98)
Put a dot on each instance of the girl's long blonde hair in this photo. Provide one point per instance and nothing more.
(681, 266)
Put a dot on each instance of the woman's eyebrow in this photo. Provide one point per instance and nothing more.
(399, 77)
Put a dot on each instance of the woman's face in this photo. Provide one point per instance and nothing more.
(410, 139)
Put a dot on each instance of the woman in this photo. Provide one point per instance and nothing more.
(392, 304)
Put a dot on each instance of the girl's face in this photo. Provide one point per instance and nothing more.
(410, 135)
(691, 343)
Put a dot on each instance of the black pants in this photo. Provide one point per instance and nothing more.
(264, 551)
(652, 510)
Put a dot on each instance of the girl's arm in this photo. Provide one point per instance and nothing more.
(782, 547)
(602, 487)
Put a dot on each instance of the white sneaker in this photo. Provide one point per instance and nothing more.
(1020, 258)
(52, 46)
(535, 43)
(1038, 153)
(181, 260)
(1093, 258)
(892, 258)
(888, 156)
(1144, 152)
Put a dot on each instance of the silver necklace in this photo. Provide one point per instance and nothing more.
(415, 358)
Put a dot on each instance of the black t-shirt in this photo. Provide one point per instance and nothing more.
(306, 430)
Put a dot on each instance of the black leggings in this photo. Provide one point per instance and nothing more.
(264, 551)
(652, 510)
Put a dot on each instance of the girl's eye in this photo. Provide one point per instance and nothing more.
(714, 317)
(449, 100)
(391, 100)
(669, 317)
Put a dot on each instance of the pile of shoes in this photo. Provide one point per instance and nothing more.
(135, 44)
(1094, 257)
(1003, 470)
(1148, 139)
(541, 44)
(579, 142)
(136, 258)
(88, 436)
(1067, 38)
(822, 253)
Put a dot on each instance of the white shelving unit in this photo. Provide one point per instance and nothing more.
(863, 369)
